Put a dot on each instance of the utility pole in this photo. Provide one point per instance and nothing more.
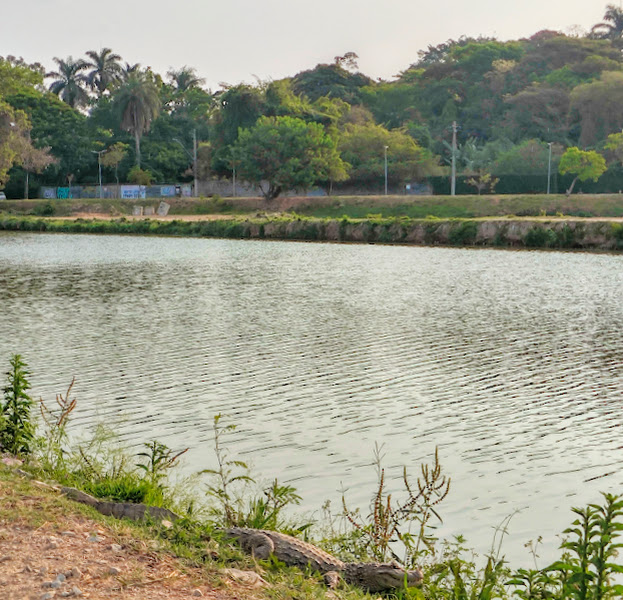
(99, 167)
(386, 147)
(549, 165)
(195, 189)
(453, 181)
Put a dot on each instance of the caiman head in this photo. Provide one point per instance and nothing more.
(383, 576)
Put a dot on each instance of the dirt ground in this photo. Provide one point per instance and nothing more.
(221, 217)
(69, 555)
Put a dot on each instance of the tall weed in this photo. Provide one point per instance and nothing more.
(16, 427)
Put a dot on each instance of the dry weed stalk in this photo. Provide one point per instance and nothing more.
(389, 522)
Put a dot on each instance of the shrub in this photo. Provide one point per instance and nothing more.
(16, 428)
(463, 234)
(139, 176)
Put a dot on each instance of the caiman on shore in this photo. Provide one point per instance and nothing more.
(373, 577)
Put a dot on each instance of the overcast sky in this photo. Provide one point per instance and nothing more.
(238, 40)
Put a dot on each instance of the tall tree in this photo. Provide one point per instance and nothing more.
(105, 69)
(583, 164)
(128, 69)
(70, 81)
(13, 127)
(113, 156)
(284, 153)
(65, 130)
(184, 79)
(18, 76)
(598, 107)
(612, 26)
(364, 146)
(34, 160)
(138, 102)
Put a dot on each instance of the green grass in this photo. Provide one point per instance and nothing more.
(356, 207)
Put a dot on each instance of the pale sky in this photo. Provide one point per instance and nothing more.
(238, 40)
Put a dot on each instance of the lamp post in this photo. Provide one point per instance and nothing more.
(193, 156)
(453, 180)
(549, 165)
(385, 148)
(99, 168)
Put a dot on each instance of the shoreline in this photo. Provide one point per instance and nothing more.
(593, 234)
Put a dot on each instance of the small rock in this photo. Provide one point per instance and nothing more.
(51, 584)
(51, 546)
(248, 578)
(10, 461)
(76, 591)
(27, 569)
(197, 593)
(166, 524)
(94, 538)
(60, 577)
(114, 571)
(68, 534)
(116, 547)
(73, 572)
(43, 571)
(47, 596)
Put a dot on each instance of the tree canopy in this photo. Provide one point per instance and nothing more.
(283, 153)
(510, 99)
(583, 164)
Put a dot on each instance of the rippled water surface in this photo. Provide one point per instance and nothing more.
(510, 362)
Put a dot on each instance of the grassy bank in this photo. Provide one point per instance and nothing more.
(509, 232)
(400, 525)
(417, 207)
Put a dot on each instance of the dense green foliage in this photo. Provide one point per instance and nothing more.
(16, 426)
(510, 99)
(287, 153)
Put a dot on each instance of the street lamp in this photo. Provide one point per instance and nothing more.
(549, 165)
(193, 156)
(386, 147)
(99, 167)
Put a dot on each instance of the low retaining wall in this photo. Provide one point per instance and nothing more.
(513, 233)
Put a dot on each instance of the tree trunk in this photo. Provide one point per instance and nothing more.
(273, 192)
(137, 145)
(571, 186)
(26, 186)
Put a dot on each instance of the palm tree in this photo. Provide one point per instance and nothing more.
(70, 81)
(128, 69)
(105, 70)
(184, 79)
(138, 102)
(612, 27)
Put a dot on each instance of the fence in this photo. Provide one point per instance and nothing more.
(117, 191)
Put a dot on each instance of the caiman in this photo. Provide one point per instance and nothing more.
(373, 577)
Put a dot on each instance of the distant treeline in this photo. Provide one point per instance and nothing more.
(517, 106)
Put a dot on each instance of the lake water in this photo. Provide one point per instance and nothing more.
(510, 362)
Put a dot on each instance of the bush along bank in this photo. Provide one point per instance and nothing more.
(506, 232)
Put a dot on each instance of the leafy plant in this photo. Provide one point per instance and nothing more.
(263, 512)
(16, 427)
(228, 472)
(139, 176)
(588, 568)
(160, 458)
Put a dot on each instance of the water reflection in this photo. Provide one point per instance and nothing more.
(510, 362)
